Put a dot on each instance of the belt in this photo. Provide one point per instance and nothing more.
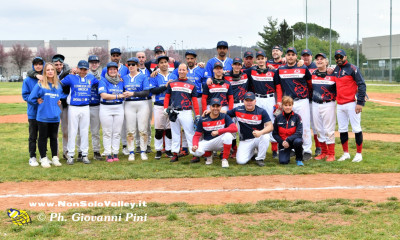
(297, 99)
(265, 95)
(94, 104)
(111, 103)
(323, 102)
(80, 105)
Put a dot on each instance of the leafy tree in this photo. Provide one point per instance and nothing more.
(285, 34)
(46, 53)
(20, 56)
(313, 30)
(270, 36)
(397, 74)
(100, 52)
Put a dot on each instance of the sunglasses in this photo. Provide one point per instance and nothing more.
(132, 64)
(337, 57)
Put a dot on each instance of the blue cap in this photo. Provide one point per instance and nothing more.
(222, 44)
(159, 48)
(115, 50)
(190, 52)
(320, 54)
(112, 64)
(291, 49)
(247, 54)
(249, 95)
(162, 57)
(93, 58)
(277, 47)
(306, 51)
(83, 64)
(237, 60)
(218, 64)
(215, 101)
(58, 58)
(340, 52)
(38, 60)
(260, 53)
(133, 59)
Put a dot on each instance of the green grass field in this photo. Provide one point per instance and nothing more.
(12, 108)
(10, 88)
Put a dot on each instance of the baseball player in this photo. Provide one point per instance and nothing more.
(295, 82)
(247, 60)
(277, 59)
(254, 126)
(136, 86)
(306, 56)
(111, 110)
(324, 107)
(261, 79)
(288, 131)
(222, 49)
(78, 111)
(351, 92)
(217, 129)
(158, 87)
(27, 87)
(181, 97)
(153, 64)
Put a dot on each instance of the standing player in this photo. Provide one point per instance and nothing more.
(217, 129)
(323, 97)
(247, 60)
(277, 59)
(222, 49)
(351, 90)
(27, 87)
(295, 82)
(158, 87)
(181, 97)
(153, 64)
(195, 74)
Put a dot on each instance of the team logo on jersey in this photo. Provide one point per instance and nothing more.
(297, 71)
(218, 122)
(284, 71)
(292, 123)
(269, 74)
(343, 72)
(186, 85)
(254, 118)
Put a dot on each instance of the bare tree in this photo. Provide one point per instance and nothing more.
(20, 56)
(172, 53)
(100, 52)
(149, 54)
(124, 55)
(46, 53)
(3, 58)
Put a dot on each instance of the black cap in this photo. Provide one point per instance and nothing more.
(159, 48)
(320, 54)
(277, 47)
(340, 52)
(247, 54)
(237, 60)
(260, 53)
(306, 51)
(162, 57)
(222, 44)
(249, 95)
(115, 50)
(218, 64)
(38, 60)
(215, 101)
(190, 52)
(58, 58)
(291, 49)
(93, 58)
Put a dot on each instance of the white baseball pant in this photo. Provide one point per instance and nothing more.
(345, 113)
(161, 122)
(302, 107)
(111, 118)
(78, 119)
(246, 149)
(268, 105)
(136, 113)
(184, 120)
(94, 129)
(215, 144)
(137, 138)
(324, 121)
(123, 130)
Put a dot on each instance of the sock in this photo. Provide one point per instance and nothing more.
(274, 146)
(234, 144)
(331, 149)
(344, 138)
(185, 149)
(227, 151)
(324, 148)
(317, 143)
(207, 154)
(359, 141)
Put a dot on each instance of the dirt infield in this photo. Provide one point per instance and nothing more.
(385, 99)
(219, 190)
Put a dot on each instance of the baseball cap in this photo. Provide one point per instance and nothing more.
(340, 52)
(247, 54)
(306, 51)
(38, 60)
(260, 53)
(58, 58)
(237, 60)
(222, 44)
(115, 50)
(218, 64)
(133, 59)
(93, 58)
(190, 52)
(320, 54)
(112, 64)
(215, 101)
(291, 49)
(83, 64)
(159, 48)
(277, 47)
(162, 57)
(249, 95)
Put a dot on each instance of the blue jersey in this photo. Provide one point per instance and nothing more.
(27, 87)
(159, 81)
(138, 83)
(106, 87)
(196, 75)
(145, 71)
(81, 88)
(206, 125)
(94, 95)
(122, 71)
(48, 111)
(210, 66)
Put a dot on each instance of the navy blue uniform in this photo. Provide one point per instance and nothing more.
(181, 93)
(206, 125)
(261, 80)
(295, 81)
(239, 85)
(324, 88)
(221, 91)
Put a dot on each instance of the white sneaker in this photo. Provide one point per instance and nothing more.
(33, 162)
(209, 160)
(125, 151)
(143, 156)
(357, 157)
(45, 162)
(225, 163)
(56, 161)
(131, 157)
(344, 157)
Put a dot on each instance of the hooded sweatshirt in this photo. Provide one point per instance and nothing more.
(27, 87)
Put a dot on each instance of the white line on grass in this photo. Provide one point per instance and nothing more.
(375, 100)
(199, 191)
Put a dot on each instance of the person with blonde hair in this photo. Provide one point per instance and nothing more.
(47, 95)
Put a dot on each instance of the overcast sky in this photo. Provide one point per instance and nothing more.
(199, 24)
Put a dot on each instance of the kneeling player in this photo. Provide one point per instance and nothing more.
(288, 131)
(217, 128)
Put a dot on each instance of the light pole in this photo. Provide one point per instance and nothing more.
(330, 32)
(390, 62)
(183, 54)
(293, 36)
(241, 48)
(95, 35)
(306, 28)
(358, 27)
(127, 43)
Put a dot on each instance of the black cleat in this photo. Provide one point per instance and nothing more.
(97, 156)
(148, 150)
(260, 163)
(306, 156)
(275, 155)
(169, 154)
(195, 160)
(158, 155)
(79, 159)
(174, 158)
